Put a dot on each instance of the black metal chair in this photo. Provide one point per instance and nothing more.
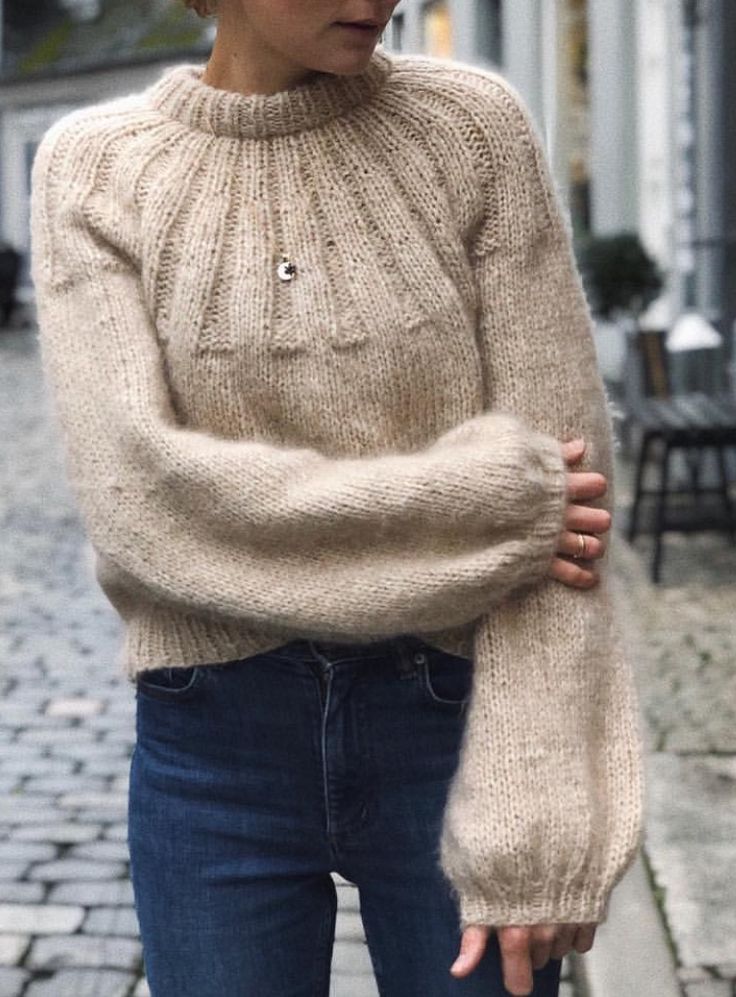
(689, 422)
(9, 271)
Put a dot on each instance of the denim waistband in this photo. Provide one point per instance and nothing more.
(330, 653)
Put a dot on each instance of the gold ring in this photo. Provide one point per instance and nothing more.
(581, 546)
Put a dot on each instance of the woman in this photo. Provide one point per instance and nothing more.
(324, 369)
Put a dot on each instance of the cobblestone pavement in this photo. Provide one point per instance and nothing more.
(684, 637)
(67, 921)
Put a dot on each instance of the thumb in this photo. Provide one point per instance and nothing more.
(472, 946)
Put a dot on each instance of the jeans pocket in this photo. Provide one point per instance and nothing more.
(172, 684)
(446, 679)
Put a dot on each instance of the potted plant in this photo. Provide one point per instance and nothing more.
(620, 277)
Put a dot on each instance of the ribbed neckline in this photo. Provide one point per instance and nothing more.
(180, 94)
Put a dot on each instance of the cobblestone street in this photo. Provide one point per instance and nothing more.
(684, 635)
(67, 922)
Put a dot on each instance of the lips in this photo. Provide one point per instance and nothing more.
(367, 26)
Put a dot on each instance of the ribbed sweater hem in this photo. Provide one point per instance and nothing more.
(165, 639)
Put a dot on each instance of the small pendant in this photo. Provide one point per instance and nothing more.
(286, 270)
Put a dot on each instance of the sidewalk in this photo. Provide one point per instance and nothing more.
(684, 637)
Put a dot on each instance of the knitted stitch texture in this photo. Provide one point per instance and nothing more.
(371, 448)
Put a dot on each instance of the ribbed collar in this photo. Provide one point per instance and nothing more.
(180, 93)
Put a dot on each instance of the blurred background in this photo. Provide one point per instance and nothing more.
(634, 100)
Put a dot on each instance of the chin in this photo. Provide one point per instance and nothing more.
(342, 58)
(346, 62)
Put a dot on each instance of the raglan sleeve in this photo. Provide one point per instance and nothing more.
(545, 812)
(270, 534)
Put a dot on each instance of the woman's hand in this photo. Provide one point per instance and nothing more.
(523, 948)
(581, 521)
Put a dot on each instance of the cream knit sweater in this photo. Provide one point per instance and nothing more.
(367, 449)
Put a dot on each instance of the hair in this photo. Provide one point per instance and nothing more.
(204, 8)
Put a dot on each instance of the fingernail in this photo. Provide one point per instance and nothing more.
(460, 963)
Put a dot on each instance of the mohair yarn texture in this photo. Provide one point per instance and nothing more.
(371, 448)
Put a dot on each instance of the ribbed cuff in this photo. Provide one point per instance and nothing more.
(590, 907)
(542, 473)
(550, 519)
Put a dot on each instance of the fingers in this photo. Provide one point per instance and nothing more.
(472, 946)
(524, 948)
(541, 942)
(590, 522)
(584, 936)
(584, 519)
(565, 940)
(585, 485)
(573, 573)
(515, 943)
(573, 451)
(582, 486)
(570, 544)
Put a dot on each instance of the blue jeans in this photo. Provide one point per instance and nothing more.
(252, 780)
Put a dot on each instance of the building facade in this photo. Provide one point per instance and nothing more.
(632, 99)
(65, 54)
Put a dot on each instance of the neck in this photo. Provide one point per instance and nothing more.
(245, 64)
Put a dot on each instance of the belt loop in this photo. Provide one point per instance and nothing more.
(406, 662)
(321, 662)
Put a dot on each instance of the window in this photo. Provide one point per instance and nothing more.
(395, 33)
(489, 30)
(83, 10)
(437, 28)
(23, 128)
(574, 74)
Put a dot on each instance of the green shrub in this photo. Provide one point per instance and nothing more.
(620, 277)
